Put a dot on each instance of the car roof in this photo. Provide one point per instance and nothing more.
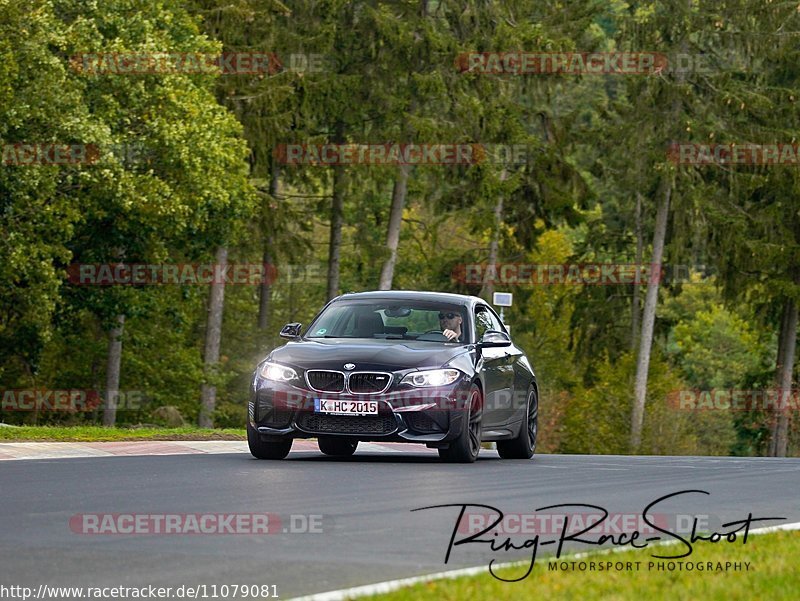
(460, 299)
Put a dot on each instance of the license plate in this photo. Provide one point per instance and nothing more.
(344, 407)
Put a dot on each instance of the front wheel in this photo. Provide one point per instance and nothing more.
(337, 447)
(524, 445)
(266, 450)
(466, 447)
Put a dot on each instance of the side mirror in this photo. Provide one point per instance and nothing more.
(494, 339)
(291, 330)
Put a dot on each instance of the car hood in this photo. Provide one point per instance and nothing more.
(381, 355)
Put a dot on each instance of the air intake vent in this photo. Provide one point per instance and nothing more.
(325, 381)
(369, 382)
(347, 424)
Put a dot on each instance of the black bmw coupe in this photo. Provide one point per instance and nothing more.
(396, 366)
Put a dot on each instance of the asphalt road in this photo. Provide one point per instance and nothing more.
(368, 532)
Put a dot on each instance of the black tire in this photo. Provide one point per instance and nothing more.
(524, 445)
(266, 450)
(466, 447)
(337, 447)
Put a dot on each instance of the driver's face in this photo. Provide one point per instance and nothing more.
(449, 320)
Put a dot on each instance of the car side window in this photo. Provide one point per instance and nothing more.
(486, 320)
(483, 322)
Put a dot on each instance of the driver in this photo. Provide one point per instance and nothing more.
(450, 323)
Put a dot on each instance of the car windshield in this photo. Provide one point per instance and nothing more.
(389, 319)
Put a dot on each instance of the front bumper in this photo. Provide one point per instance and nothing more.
(425, 415)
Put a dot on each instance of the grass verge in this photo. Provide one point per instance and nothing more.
(772, 574)
(98, 433)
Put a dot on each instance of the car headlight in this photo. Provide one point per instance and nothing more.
(277, 372)
(432, 377)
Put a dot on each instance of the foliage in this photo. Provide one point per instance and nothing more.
(201, 171)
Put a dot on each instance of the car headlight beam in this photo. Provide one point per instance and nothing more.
(431, 377)
(277, 372)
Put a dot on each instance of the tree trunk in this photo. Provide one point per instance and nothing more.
(785, 375)
(113, 372)
(216, 304)
(395, 221)
(649, 318)
(487, 286)
(95, 371)
(265, 290)
(636, 291)
(337, 219)
(773, 417)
